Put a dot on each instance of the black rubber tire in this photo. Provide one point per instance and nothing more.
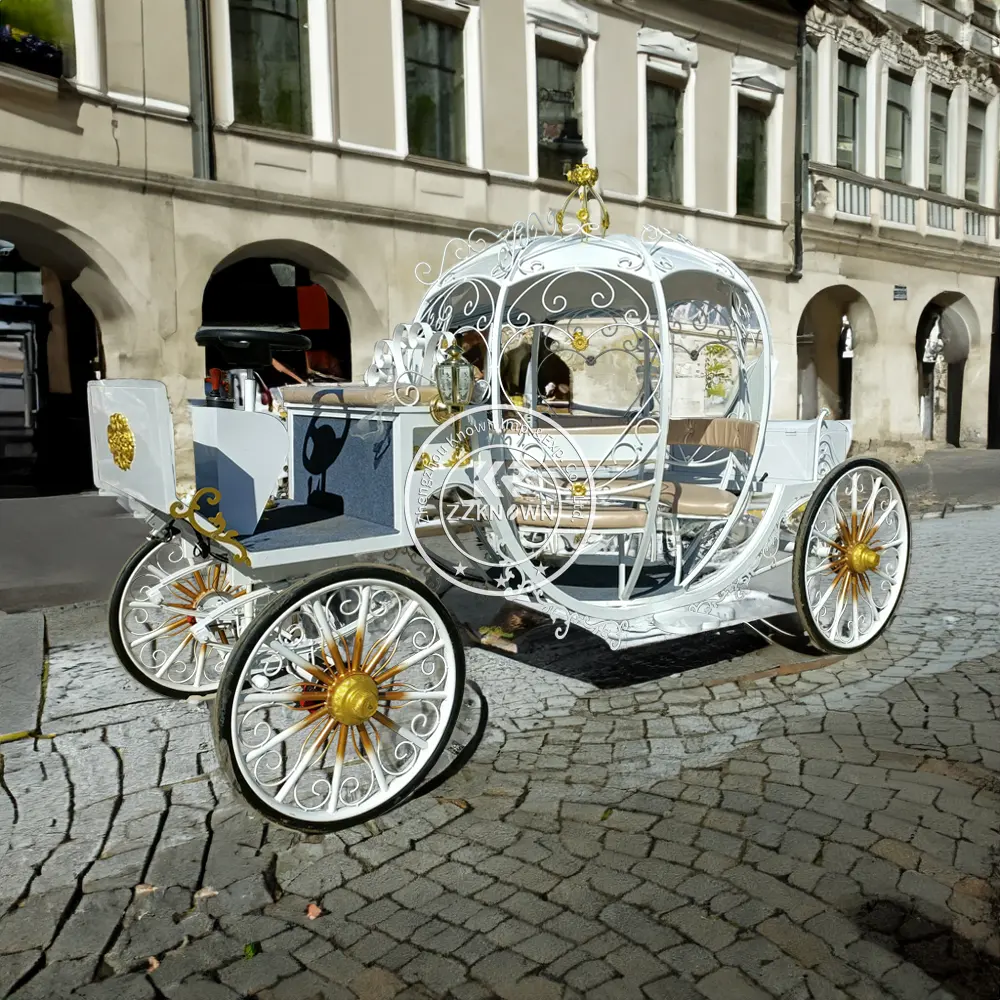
(786, 631)
(114, 629)
(816, 637)
(222, 712)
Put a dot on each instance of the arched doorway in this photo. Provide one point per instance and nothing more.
(50, 348)
(946, 330)
(258, 289)
(833, 323)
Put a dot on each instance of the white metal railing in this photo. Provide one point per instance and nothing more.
(854, 198)
(975, 224)
(899, 208)
(838, 193)
(940, 216)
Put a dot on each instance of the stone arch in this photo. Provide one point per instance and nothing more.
(77, 258)
(948, 330)
(80, 309)
(336, 279)
(836, 323)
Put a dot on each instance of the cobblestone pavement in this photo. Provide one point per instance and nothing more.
(806, 835)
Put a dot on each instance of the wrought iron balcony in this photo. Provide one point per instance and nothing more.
(851, 197)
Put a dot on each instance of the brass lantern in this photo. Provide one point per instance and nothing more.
(456, 379)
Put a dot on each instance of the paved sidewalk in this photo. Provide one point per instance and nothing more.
(952, 476)
(809, 834)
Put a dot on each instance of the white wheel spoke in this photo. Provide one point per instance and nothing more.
(172, 658)
(199, 667)
(155, 634)
(304, 761)
(285, 734)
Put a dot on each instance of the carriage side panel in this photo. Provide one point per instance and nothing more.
(132, 441)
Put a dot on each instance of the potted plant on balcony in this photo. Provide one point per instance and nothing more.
(23, 27)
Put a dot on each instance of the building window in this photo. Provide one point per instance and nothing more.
(270, 63)
(751, 159)
(51, 22)
(664, 155)
(809, 75)
(560, 110)
(974, 151)
(435, 92)
(850, 112)
(897, 129)
(937, 144)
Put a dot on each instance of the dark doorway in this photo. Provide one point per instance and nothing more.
(46, 448)
(266, 291)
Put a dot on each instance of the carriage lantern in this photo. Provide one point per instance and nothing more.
(456, 379)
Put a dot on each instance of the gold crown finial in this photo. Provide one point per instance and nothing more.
(584, 178)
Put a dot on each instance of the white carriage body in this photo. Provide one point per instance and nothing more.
(349, 448)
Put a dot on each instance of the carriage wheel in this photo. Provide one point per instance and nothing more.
(151, 634)
(339, 698)
(851, 557)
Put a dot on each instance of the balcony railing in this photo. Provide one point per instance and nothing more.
(843, 194)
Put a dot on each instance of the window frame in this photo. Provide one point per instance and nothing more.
(906, 151)
(547, 47)
(983, 108)
(760, 105)
(656, 76)
(935, 90)
(305, 126)
(466, 17)
(441, 20)
(847, 58)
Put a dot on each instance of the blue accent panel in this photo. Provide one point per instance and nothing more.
(343, 463)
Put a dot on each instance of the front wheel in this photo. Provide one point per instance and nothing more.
(852, 553)
(339, 698)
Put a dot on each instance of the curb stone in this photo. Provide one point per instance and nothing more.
(956, 508)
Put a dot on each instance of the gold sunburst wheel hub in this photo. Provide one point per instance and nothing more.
(352, 698)
(853, 557)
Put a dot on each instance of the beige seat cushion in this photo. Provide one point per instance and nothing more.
(358, 394)
(685, 499)
(711, 432)
(531, 515)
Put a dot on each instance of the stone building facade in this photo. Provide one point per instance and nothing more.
(901, 251)
(339, 143)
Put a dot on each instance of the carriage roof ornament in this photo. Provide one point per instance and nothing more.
(584, 177)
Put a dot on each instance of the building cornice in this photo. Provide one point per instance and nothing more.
(209, 192)
(927, 253)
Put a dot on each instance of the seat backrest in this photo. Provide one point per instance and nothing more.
(714, 432)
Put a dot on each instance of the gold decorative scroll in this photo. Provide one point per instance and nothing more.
(220, 535)
(584, 177)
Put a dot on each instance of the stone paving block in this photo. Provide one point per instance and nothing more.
(135, 987)
(90, 926)
(709, 931)
(201, 988)
(730, 984)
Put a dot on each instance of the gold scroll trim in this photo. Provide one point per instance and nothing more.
(220, 534)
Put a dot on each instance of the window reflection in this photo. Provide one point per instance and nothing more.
(270, 63)
(560, 144)
(435, 104)
(663, 140)
(48, 21)
(751, 160)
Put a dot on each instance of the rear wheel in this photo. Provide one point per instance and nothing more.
(851, 557)
(159, 596)
(339, 698)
